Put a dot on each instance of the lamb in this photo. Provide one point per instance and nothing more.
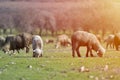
(109, 41)
(37, 45)
(82, 38)
(63, 40)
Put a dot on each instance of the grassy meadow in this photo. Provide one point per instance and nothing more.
(58, 64)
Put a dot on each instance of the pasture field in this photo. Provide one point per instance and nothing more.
(58, 64)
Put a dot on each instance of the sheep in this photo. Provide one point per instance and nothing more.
(37, 45)
(109, 41)
(117, 41)
(20, 41)
(63, 40)
(49, 41)
(82, 38)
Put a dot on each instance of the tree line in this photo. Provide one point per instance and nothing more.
(97, 17)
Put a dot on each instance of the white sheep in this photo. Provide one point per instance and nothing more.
(37, 45)
(82, 38)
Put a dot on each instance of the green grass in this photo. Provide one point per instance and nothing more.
(58, 64)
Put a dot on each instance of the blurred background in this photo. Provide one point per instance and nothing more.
(55, 16)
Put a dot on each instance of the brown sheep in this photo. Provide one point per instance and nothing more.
(63, 40)
(13, 43)
(82, 38)
(17, 42)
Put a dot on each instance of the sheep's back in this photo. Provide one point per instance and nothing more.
(84, 38)
(37, 42)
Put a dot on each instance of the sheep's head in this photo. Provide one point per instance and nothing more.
(6, 48)
(47, 41)
(37, 53)
(101, 51)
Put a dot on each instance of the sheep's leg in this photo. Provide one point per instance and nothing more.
(13, 51)
(91, 53)
(27, 49)
(38, 55)
(41, 55)
(110, 45)
(73, 53)
(33, 54)
(107, 46)
(74, 48)
(116, 46)
(113, 45)
(78, 53)
(87, 52)
(64, 44)
(58, 45)
(18, 51)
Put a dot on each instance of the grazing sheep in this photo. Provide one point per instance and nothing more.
(82, 38)
(63, 40)
(37, 45)
(17, 42)
(49, 41)
(117, 41)
(109, 41)
(13, 43)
